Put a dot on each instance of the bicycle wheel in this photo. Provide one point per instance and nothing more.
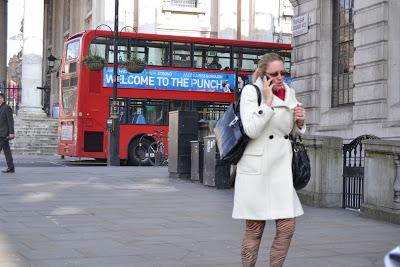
(138, 152)
(160, 156)
(152, 152)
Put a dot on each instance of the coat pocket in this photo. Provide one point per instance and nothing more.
(251, 161)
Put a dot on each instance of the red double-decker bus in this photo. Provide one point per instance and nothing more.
(182, 73)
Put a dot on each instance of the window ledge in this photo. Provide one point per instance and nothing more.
(178, 9)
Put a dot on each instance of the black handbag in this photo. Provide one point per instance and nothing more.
(301, 168)
(229, 134)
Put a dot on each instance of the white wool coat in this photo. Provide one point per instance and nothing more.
(264, 183)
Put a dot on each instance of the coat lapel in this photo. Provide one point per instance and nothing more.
(290, 101)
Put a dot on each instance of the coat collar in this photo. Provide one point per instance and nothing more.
(290, 101)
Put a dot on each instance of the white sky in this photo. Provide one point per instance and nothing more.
(15, 15)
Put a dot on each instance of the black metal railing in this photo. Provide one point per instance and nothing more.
(13, 97)
(353, 172)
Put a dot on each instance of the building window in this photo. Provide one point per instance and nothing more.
(184, 3)
(342, 52)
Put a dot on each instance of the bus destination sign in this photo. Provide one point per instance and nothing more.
(171, 80)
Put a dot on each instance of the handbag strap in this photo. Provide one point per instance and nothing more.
(258, 94)
(294, 138)
(237, 104)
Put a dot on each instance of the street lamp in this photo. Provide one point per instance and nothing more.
(113, 144)
(51, 61)
(113, 121)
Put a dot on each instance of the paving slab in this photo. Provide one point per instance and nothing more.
(137, 216)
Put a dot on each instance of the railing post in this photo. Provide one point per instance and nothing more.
(396, 185)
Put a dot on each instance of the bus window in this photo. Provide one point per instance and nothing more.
(135, 112)
(200, 55)
(209, 110)
(181, 55)
(219, 57)
(121, 106)
(73, 50)
(214, 57)
(98, 50)
(138, 52)
(156, 112)
(179, 105)
(157, 53)
(246, 58)
(249, 61)
(68, 92)
(151, 112)
(122, 54)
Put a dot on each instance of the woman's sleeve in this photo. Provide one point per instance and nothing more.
(254, 118)
(296, 131)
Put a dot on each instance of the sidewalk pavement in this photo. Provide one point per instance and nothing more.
(137, 216)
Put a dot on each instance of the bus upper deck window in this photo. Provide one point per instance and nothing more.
(73, 50)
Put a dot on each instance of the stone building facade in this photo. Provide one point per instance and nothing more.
(346, 67)
(231, 19)
(3, 42)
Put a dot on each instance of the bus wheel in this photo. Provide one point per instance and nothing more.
(138, 153)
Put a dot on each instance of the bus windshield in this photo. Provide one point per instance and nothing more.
(69, 80)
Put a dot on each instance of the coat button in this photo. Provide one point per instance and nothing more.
(271, 136)
(260, 112)
(286, 136)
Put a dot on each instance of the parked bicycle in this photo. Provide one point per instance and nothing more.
(151, 154)
(156, 150)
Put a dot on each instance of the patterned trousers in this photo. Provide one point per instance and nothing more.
(252, 239)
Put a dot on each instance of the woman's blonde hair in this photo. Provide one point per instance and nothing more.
(263, 63)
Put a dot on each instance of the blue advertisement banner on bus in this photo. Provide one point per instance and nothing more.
(172, 80)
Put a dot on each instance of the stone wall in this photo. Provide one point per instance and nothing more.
(326, 158)
(376, 95)
(382, 180)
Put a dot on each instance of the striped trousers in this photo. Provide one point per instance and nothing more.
(280, 246)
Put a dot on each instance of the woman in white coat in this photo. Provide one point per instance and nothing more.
(264, 184)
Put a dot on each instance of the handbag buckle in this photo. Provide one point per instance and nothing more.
(234, 121)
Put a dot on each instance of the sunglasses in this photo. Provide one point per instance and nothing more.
(275, 74)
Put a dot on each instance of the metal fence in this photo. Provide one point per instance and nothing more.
(353, 172)
(13, 97)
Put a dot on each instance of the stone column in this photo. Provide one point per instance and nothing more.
(32, 59)
(263, 18)
(147, 20)
(227, 13)
(370, 66)
(3, 41)
(396, 185)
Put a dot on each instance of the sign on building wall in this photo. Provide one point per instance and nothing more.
(300, 25)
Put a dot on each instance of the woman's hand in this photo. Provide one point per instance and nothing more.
(267, 90)
(299, 116)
